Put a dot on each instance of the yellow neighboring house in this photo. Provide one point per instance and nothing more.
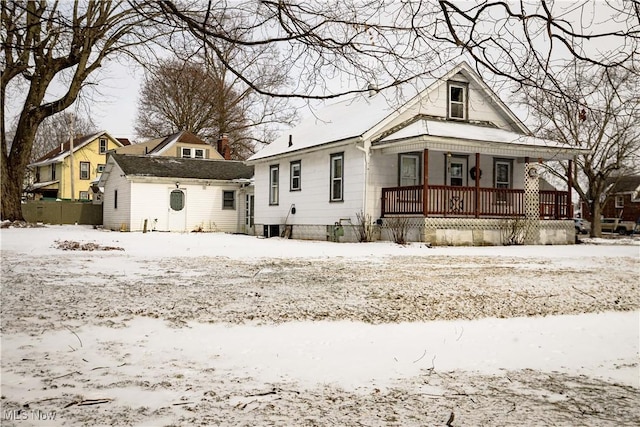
(181, 144)
(53, 171)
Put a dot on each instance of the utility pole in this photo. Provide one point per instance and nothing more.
(71, 170)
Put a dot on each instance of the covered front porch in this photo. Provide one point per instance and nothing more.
(471, 202)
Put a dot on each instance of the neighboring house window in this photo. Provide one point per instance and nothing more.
(115, 199)
(274, 184)
(199, 153)
(38, 174)
(176, 200)
(228, 200)
(296, 171)
(337, 177)
(53, 172)
(84, 170)
(457, 108)
(101, 168)
(409, 169)
(186, 152)
(620, 202)
(103, 145)
(84, 195)
(502, 176)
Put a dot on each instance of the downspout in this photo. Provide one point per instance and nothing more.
(366, 149)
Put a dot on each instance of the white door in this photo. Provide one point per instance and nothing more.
(457, 171)
(177, 209)
(248, 214)
(409, 170)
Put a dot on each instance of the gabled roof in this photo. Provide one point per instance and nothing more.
(623, 184)
(159, 145)
(59, 153)
(362, 115)
(171, 167)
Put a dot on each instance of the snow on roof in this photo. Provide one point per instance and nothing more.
(467, 131)
(353, 117)
(343, 120)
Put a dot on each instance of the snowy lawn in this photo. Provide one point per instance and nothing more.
(214, 329)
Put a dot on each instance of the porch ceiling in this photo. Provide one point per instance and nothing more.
(468, 138)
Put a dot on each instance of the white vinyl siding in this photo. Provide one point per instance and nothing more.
(313, 206)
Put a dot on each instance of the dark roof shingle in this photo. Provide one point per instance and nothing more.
(172, 167)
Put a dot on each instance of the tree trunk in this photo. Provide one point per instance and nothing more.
(11, 193)
(596, 213)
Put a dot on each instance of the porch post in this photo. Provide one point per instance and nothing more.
(531, 203)
(570, 190)
(477, 166)
(425, 182)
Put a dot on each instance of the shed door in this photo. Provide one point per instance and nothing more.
(177, 210)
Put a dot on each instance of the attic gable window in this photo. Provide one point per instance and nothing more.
(457, 100)
(186, 153)
(103, 145)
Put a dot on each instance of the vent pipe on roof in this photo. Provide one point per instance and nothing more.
(290, 140)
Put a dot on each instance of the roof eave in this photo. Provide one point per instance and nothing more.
(306, 150)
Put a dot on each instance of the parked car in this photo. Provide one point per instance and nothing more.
(616, 225)
(582, 226)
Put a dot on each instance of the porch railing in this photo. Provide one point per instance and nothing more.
(448, 201)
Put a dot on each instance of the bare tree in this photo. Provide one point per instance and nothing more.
(389, 42)
(47, 44)
(199, 96)
(323, 46)
(598, 110)
(54, 130)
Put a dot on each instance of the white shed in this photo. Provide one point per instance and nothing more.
(174, 194)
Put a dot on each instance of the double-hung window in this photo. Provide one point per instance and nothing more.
(458, 99)
(274, 184)
(337, 177)
(296, 172)
(84, 170)
(199, 153)
(103, 145)
(185, 153)
(228, 200)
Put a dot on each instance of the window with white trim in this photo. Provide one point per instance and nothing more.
(103, 145)
(296, 176)
(185, 153)
(101, 168)
(84, 195)
(457, 97)
(198, 153)
(274, 184)
(337, 178)
(619, 202)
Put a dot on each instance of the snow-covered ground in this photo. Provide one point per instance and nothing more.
(215, 329)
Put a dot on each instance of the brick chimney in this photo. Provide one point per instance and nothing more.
(223, 146)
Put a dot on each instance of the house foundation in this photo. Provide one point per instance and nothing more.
(445, 231)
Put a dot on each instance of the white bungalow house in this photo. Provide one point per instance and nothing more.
(454, 160)
(176, 194)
